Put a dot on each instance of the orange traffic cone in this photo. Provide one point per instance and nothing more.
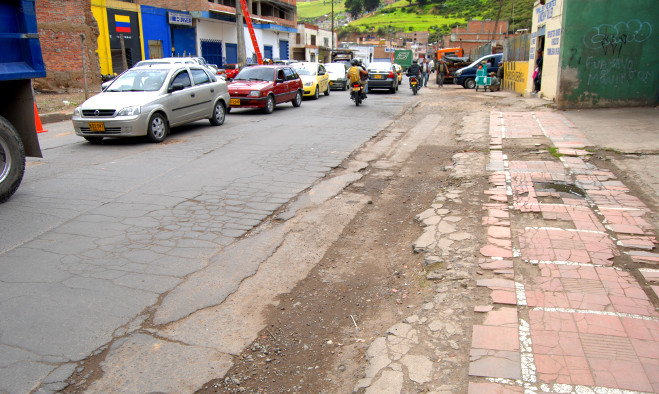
(37, 120)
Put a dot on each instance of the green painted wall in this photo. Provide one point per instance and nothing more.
(609, 53)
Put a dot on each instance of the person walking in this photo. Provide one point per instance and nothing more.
(425, 70)
(442, 71)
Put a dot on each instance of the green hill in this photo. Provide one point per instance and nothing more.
(311, 10)
(437, 16)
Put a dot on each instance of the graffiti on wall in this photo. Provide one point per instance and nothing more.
(604, 60)
(611, 39)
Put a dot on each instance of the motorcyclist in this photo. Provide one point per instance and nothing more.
(414, 70)
(357, 73)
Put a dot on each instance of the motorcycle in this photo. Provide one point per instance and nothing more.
(357, 93)
(414, 84)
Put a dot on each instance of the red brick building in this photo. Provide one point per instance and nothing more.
(476, 34)
(67, 29)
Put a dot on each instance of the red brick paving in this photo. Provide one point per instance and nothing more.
(589, 323)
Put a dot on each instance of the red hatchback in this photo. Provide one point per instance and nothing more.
(264, 87)
(231, 70)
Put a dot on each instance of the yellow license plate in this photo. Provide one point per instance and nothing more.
(331, 83)
(96, 126)
(356, 89)
(234, 102)
(413, 82)
(376, 76)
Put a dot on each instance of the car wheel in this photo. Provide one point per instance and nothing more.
(12, 167)
(94, 140)
(470, 83)
(327, 92)
(297, 101)
(158, 128)
(269, 105)
(316, 94)
(219, 113)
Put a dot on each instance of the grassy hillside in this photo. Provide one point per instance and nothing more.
(436, 16)
(315, 9)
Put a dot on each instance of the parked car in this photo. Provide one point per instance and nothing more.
(338, 76)
(231, 70)
(382, 75)
(466, 76)
(149, 100)
(399, 71)
(264, 87)
(314, 77)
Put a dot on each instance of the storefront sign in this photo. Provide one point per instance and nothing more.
(179, 19)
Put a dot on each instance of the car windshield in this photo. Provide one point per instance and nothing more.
(302, 70)
(336, 69)
(256, 74)
(379, 67)
(141, 80)
(486, 59)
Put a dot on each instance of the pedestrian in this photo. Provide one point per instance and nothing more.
(425, 69)
(537, 74)
(442, 71)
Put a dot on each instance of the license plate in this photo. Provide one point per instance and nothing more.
(331, 83)
(377, 76)
(234, 102)
(356, 88)
(96, 126)
(413, 82)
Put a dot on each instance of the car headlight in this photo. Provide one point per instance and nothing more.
(129, 111)
(76, 112)
(458, 73)
(254, 93)
(308, 83)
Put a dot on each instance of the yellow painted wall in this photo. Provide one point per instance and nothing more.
(515, 76)
(99, 10)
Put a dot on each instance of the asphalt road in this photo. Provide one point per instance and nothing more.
(98, 234)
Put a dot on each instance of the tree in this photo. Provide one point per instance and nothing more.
(354, 7)
(371, 5)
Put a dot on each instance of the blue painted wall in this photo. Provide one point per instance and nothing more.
(183, 40)
(156, 28)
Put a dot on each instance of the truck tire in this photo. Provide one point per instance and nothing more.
(12, 160)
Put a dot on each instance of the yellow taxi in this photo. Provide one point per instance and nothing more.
(315, 78)
(399, 71)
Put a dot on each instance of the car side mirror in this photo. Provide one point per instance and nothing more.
(176, 87)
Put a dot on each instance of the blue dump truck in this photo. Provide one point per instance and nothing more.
(20, 62)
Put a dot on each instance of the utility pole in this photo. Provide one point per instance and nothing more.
(332, 51)
(240, 35)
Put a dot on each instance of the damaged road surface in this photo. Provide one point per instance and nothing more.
(130, 266)
(259, 256)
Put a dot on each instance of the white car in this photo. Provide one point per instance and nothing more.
(150, 99)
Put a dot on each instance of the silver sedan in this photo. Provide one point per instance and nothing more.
(148, 100)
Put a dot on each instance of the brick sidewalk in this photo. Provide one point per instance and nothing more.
(569, 316)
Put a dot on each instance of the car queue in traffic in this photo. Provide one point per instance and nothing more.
(155, 95)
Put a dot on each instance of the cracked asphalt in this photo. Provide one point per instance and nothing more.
(104, 245)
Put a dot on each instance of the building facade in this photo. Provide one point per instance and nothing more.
(476, 34)
(596, 53)
(313, 44)
(68, 35)
(118, 33)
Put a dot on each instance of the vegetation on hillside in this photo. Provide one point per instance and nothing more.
(434, 16)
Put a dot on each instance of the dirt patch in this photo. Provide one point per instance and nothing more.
(318, 334)
(369, 280)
